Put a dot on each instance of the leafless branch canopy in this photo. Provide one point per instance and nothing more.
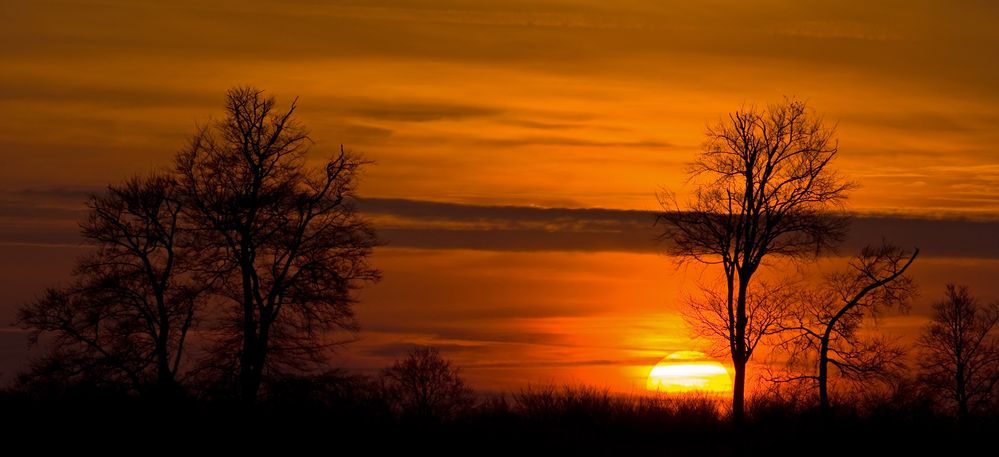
(426, 386)
(132, 302)
(765, 187)
(824, 327)
(285, 241)
(767, 309)
(960, 350)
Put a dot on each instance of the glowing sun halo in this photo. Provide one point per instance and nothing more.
(689, 371)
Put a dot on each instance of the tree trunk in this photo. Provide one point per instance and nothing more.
(962, 396)
(251, 377)
(165, 384)
(824, 375)
(252, 364)
(164, 375)
(739, 392)
(739, 356)
(249, 383)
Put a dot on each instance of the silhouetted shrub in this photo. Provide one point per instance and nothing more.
(425, 387)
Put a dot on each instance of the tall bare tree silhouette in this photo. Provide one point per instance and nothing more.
(823, 328)
(285, 241)
(126, 316)
(765, 190)
(960, 350)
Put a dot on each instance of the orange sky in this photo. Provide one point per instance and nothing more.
(534, 103)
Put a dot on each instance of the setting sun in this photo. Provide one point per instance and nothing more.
(689, 371)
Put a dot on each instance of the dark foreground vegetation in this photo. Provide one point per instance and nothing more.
(421, 405)
(337, 413)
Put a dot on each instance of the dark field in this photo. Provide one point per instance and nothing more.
(339, 414)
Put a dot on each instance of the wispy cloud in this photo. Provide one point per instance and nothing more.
(403, 111)
(568, 141)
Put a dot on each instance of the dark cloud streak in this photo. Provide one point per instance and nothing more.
(40, 216)
(566, 229)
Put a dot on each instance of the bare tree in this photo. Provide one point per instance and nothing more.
(425, 386)
(824, 327)
(768, 306)
(766, 190)
(132, 302)
(960, 350)
(286, 242)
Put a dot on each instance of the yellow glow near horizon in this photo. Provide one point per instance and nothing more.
(689, 371)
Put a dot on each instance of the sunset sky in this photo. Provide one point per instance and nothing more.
(518, 147)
